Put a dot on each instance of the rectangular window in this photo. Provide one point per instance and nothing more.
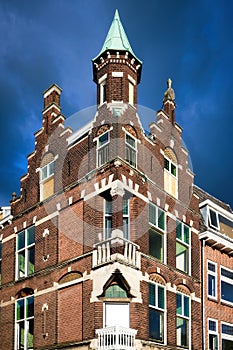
(131, 93)
(213, 219)
(170, 177)
(212, 279)
(182, 320)
(107, 218)
(25, 252)
(131, 149)
(227, 285)
(156, 312)
(213, 334)
(156, 231)
(103, 92)
(0, 262)
(103, 148)
(126, 221)
(47, 171)
(227, 336)
(24, 323)
(182, 246)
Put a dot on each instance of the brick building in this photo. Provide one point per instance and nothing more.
(102, 248)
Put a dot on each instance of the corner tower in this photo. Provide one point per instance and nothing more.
(116, 69)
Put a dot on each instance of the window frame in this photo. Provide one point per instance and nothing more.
(48, 173)
(210, 224)
(26, 321)
(215, 275)
(131, 148)
(184, 317)
(161, 310)
(168, 171)
(211, 332)
(226, 280)
(107, 215)
(184, 244)
(126, 234)
(158, 230)
(100, 148)
(26, 248)
(225, 336)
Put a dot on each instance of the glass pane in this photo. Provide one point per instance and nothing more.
(125, 207)
(108, 207)
(173, 169)
(227, 329)
(211, 267)
(156, 244)
(211, 286)
(31, 235)
(213, 218)
(156, 325)
(30, 307)
(166, 164)
(130, 140)
(213, 342)
(186, 306)
(20, 309)
(103, 139)
(115, 291)
(125, 228)
(44, 172)
(227, 291)
(21, 264)
(181, 257)
(30, 337)
(21, 335)
(50, 168)
(227, 273)
(186, 233)
(151, 294)
(227, 344)
(21, 240)
(160, 297)
(152, 214)
(179, 230)
(181, 332)
(103, 155)
(212, 326)
(108, 227)
(179, 304)
(31, 260)
(161, 219)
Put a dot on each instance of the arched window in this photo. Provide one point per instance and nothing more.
(170, 173)
(24, 319)
(47, 176)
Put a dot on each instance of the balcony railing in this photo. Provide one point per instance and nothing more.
(116, 248)
(116, 338)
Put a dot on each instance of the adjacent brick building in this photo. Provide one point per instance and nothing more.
(102, 249)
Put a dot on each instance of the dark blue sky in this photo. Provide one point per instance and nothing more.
(45, 42)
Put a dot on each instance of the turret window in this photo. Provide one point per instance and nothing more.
(170, 173)
(131, 149)
(103, 148)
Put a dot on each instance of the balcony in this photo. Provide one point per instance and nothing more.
(116, 338)
(116, 248)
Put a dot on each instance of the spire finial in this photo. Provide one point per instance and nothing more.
(169, 93)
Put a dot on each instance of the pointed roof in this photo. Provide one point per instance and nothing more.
(116, 38)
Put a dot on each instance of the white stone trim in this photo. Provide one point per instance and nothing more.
(132, 80)
(53, 105)
(117, 74)
(46, 218)
(49, 91)
(104, 77)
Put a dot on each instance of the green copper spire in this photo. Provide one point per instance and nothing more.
(116, 38)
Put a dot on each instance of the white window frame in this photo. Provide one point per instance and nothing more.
(187, 245)
(225, 279)
(106, 215)
(215, 275)
(26, 324)
(135, 149)
(159, 230)
(127, 217)
(211, 332)
(164, 310)
(49, 174)
(26, 249)
(99, 148)
(131, 92)
(103, 92)
(226, 336)
(170, 174)
(187, 318)
(116, 304)
(209, 219)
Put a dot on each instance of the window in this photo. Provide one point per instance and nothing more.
(125, 213)
(0, 262)
(212, 279)
(131, 149)
(131, 93)
(213, 219)
(156, 231)
(107, 218)
(227, 336)
(219, 222)
(25, 252)
(103, 148)
(24, 322)
(103, 92)
(170, 173)
(213, 334)
(182, 246)
(47, 176)
(182, 320)
(115, 291)
(227, 285)
(156, 312)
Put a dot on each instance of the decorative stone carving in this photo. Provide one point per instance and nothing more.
(117, 189)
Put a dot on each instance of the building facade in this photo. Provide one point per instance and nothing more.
(102, 248)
